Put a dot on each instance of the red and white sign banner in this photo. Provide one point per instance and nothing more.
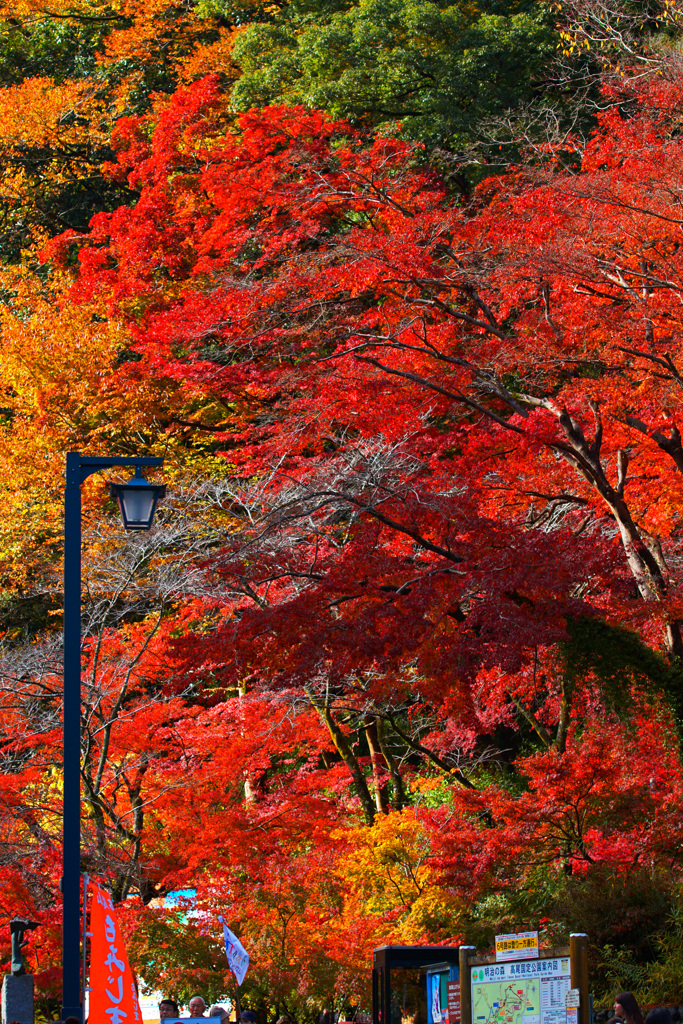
(113, 996)
(453, 993)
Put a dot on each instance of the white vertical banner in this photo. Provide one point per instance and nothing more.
(238, 958)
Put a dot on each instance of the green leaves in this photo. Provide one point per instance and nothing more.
(54, 49)
(439, 69)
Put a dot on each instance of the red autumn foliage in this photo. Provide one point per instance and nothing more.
(454, 436)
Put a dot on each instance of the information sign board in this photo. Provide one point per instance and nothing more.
(453, 995)
(518, 946)
(527, 992)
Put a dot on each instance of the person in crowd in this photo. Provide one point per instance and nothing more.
(219, 1011)
(627, 1009)
(168, 1008)
(248, 1017)
(659, 1015)
(198, 1006)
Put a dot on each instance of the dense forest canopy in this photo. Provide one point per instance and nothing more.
(395, 289)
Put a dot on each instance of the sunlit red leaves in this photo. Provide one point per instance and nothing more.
(451, 444)
(602, 801)
(309, 285)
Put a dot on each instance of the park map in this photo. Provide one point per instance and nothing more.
(507, 1003)
(527, 993)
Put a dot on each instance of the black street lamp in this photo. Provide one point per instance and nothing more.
(137, 501)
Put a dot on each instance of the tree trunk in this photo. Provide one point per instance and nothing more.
(378, 763)
(398, 796)
(344, 750)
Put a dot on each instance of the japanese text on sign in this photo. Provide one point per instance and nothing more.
(113, 997)
(522, 945)
(453, 996)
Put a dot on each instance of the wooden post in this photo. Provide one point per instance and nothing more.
(578, 959)
(465, 987)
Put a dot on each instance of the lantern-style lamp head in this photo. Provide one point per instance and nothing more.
(138, 501)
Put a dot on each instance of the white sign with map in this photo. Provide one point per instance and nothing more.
(531, 992)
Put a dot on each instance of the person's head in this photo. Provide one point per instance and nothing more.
(168, 1008)
(626, 1007)
(197, 1007)
(659, 1015)
(248, 1017)
(218, 1011)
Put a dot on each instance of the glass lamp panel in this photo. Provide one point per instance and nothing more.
(137, 506)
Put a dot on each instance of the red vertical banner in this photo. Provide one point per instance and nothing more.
(113, 996)
(453, 990)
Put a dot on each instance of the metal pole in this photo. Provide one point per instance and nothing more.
(71, 870)
(238, 1007)
(78, 468)
(386, 993)
(86, 935)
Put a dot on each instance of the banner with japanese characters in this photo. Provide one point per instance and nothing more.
(113, 996)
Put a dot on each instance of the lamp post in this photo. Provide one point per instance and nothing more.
(137, 500)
